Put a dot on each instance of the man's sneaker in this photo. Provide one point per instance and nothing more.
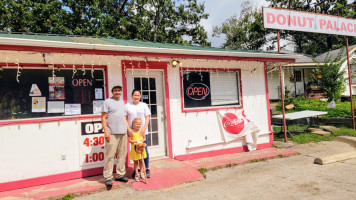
(122, 179)
(108, 184)
(148, 174)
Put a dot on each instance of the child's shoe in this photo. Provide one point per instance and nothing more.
(143, 175)
(137, 177)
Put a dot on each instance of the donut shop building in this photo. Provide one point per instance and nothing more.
(204, 102)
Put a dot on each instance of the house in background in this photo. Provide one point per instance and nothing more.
(297, 76)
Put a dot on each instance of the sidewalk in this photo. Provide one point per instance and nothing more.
(177, 171)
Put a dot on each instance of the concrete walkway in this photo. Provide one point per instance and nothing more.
(165, 173)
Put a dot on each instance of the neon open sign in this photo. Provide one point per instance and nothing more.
(197, 91)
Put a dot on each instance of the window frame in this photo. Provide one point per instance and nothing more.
(57, 66)
(210, 108)
(352, 73)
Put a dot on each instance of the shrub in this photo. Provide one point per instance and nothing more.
(342, 109)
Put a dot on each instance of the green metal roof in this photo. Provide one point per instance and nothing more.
(114, 41)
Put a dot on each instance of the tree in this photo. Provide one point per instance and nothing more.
(333, 77)
(171, 21)
(245, 31)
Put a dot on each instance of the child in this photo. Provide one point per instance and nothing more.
(137, 147)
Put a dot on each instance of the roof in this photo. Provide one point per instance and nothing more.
(85, 41)
(333, 54)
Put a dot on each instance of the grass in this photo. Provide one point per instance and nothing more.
(345, 131)
(306, 137)
(203, 170)
(68, 196)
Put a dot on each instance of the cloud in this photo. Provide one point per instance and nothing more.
(219, 11)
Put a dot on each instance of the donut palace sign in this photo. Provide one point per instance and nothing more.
(276, 18)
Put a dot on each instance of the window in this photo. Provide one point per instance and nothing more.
(353, 72)
(39, 94)
(210, 89)
(298, 76)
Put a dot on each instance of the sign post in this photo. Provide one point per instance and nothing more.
(276, 18)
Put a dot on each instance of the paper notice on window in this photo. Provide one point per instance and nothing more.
(98, 93)
(72, 109)
(97, 105)
(35, 91)
(56, 88)
(55, 107)
(38, 104)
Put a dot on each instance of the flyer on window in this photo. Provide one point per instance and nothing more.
(35, 91)
(97, 106)
(38, 104)
(55, 107)
(72, 109)
(56, 88)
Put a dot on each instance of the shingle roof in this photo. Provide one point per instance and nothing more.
(333, 54)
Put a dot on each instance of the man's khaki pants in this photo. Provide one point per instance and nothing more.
(117, 145)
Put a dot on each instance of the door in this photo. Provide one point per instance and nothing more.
(151, 87)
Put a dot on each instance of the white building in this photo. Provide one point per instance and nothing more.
(51, 89)
(297, 75)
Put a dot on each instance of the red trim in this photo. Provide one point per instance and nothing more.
(139, 54)
(219, 152)
(152, 65)
(212, 107)
(267, 101)
(49, 179)
(51, 119)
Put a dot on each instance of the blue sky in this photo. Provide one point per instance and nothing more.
(219, 11)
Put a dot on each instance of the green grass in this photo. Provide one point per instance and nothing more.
(68, 196)
(345, 131)
(306, 137)
(203, 170)
(310, 137)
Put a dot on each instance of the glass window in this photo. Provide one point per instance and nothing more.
(298, 76)
(39, 94)
(210, 89)
(353, 72)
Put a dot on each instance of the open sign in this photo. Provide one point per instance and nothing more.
(197, 91)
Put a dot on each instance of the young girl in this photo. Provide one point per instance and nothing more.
(137, 140)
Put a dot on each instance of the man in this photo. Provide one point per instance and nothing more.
(115, 131)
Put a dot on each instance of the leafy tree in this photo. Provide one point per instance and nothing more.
(170, 21)
(245, 31)
(333, 77)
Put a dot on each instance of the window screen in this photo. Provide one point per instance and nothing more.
(210, 89)
(39, 94)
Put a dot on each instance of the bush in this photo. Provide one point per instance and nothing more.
(342, 109)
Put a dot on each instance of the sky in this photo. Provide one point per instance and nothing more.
(220, 10)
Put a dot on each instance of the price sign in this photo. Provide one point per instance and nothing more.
(92, 144)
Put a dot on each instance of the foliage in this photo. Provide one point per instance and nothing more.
(342, 109)
(167, 21)
(333, 77)
(245, 31)
(315, 43)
